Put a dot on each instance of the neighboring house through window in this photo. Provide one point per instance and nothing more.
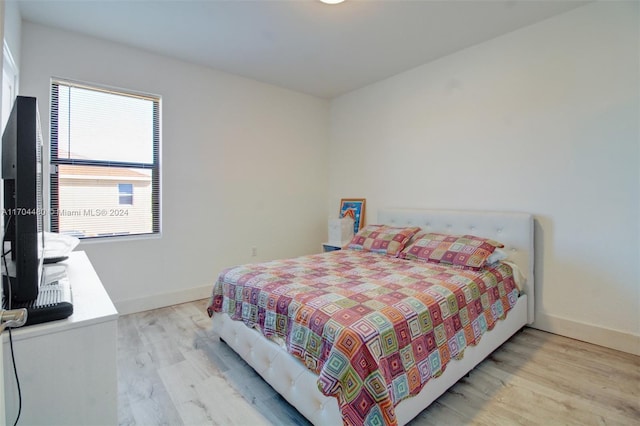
(105, 145)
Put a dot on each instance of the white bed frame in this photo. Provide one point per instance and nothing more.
(298, 385)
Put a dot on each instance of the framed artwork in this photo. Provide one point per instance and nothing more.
(354, 208)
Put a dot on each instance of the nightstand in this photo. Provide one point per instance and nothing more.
(327, 247)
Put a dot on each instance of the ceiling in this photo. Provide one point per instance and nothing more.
(304, 45)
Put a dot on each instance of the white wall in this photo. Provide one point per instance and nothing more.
(244, 164)
(11, 58)
(12, 29)
(542, 120)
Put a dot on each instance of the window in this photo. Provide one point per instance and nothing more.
(125, 194)
(101, 138)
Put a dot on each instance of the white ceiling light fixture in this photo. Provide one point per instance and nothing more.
(331, 1)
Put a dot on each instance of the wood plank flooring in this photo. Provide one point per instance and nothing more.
(172, 370)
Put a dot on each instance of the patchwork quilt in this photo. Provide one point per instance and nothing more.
(374, 328)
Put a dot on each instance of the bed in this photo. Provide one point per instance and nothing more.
(300, 385)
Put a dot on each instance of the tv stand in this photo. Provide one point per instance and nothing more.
(67, 368)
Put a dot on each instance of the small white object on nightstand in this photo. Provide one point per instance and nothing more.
(340, 231)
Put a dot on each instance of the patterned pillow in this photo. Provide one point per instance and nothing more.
(466, 251)
(382, 239)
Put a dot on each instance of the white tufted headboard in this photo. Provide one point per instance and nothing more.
(514, 230)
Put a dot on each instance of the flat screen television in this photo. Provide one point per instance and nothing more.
(23, 210)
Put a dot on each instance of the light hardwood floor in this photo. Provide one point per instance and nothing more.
(172, 370)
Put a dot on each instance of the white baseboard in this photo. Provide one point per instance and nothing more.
(156, 301)
(614, 339)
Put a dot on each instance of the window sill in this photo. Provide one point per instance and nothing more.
(119, 238)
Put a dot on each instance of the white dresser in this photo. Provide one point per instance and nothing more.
(67, 368)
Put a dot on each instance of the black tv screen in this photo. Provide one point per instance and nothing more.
(23, 210)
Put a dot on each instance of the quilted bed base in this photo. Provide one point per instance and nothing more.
(299, 386)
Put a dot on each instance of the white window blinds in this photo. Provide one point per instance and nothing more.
(105, 161)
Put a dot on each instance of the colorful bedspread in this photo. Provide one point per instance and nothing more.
(374, 328)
